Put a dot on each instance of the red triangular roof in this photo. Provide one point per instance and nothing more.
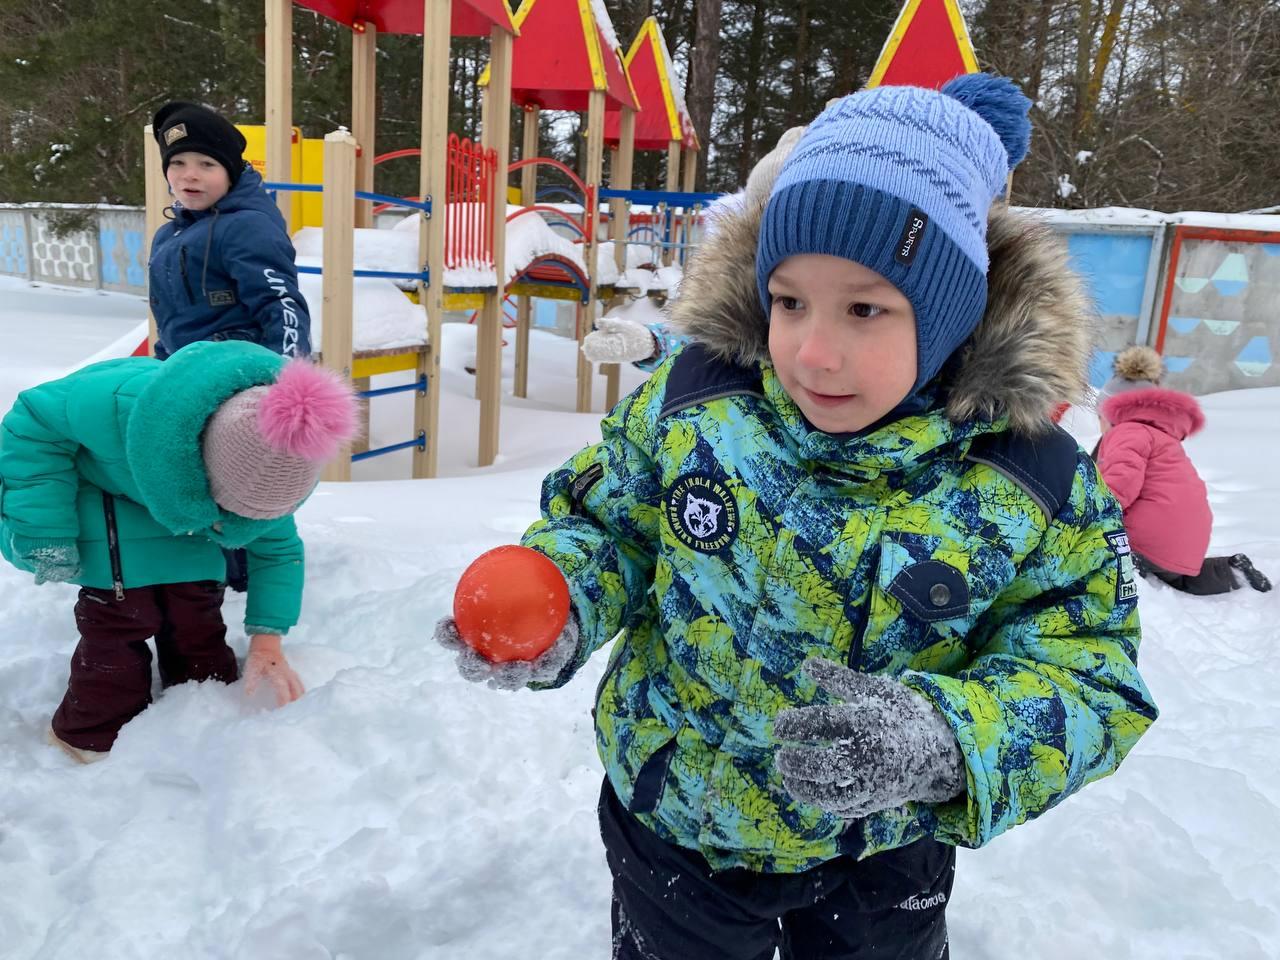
(562, 54)
(470, 18)
(928, 46)
(663, 116)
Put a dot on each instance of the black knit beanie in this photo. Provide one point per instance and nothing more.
(179, 127)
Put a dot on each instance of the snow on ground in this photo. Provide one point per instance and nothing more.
(46, 330)
(396, 812)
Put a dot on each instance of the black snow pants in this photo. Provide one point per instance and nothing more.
(669, 905)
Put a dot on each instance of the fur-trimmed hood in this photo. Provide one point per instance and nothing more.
(1170, 411)
(1029, 354)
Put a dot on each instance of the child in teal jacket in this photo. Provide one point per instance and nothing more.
(870, 603)
(128, 477)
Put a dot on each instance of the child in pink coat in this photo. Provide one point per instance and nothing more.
(1165, 503)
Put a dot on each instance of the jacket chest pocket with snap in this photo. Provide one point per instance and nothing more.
(927, 602)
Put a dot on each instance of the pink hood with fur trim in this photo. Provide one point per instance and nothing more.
(1166, 505)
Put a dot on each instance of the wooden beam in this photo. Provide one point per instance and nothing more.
(673, 185)
(431, 183)
(339, 262)
(157, 198)
(279, 113)
(528, 195)
(620, 177)
(690, 164)
(496, 135)
(364, 85)
(595, 173)
(361, 443)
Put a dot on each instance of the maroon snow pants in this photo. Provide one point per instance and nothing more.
(111, 669)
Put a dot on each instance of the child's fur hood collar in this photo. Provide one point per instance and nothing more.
(1028, 355)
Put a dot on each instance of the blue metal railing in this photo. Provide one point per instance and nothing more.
(671, 198)
(420, 441)
(424, 275)
(424, 204)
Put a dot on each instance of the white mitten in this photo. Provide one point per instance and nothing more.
(511, 674)
(618, 340)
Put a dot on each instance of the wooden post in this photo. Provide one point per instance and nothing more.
(690, 170)
(619, 222)
(339, 262)
(690, 163)
(595, 171)
(673, 185)
(157, 194)
(279, 114)
(496, 135)
(528, 195)
(620, 179)
(431, 183)
(361, 443)
(364, 84)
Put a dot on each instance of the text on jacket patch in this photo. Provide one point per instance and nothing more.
(289, 344)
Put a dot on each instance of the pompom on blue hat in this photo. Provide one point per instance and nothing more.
(900, 180)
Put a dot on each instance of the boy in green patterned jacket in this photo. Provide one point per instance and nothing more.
(871, 604)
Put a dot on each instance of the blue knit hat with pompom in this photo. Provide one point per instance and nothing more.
(900, 179)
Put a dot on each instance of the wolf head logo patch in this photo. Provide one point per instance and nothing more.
(702, 513)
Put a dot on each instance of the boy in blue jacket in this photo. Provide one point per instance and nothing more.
(223, 267)
(869, 603)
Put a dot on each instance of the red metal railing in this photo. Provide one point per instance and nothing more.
(469, 203)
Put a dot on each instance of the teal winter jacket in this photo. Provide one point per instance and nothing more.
(968, 549)
(130, 429)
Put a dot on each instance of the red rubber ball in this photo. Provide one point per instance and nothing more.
(511, 604)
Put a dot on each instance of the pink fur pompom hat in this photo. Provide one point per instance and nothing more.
(264, 447)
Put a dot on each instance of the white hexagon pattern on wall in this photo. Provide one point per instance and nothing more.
(71, 258)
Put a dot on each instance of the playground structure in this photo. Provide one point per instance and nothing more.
(551, 55)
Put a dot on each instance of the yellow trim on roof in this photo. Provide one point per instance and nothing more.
(626, 74)
(515, 28)
(900, 26)
(658, 46)
(890, 48)
(517, 19)
(599, 79)
(961, 31)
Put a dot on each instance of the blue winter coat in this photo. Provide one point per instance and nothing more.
(228, 273)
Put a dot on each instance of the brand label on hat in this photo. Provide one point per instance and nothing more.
(912, 236)
(175, 133)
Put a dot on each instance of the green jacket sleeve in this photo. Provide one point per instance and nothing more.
(38, 476)
(1052, 699)
(600, 521)
(276, 573)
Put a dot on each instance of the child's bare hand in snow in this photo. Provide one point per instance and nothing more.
(266, 662)
(880, 746)
(511, 674)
